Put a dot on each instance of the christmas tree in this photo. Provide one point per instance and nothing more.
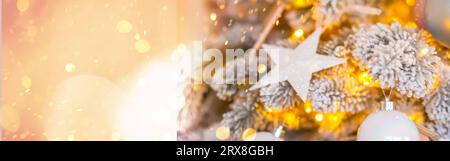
(386, 49)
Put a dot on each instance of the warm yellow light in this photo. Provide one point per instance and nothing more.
(308, 107)
(222, 133)
(9, 118)
(424, 52)
(249, 134)
(395, 19)
(302, 3)
(222, 6)
(142, 46)
(124, 26)
(447, 23)
(213, 17)
(319, 117)
(411, 24)
(277, 22)
(411, 2)
(26, 82)
(365, 78)
(290, 118)
(299, 33)
(70, 67)
(23, 5)
(262, 68)
(435, 83)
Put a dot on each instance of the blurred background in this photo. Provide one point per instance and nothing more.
(93, 70)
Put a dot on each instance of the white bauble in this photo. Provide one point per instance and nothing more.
(265, 136)
(388, 126)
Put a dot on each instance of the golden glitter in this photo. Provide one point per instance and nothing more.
(70, 67)
(222, 133)
(249, 134)
(142, 46)
(124, 26)
(23, 5)
(213, 16)
(319, 117)
(26, 82)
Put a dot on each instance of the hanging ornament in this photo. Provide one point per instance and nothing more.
(265, 136)
(434, 16)
(388, 125)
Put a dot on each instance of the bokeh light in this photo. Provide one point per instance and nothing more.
(93, 70)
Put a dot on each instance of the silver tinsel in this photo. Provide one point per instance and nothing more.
(332, 95)
(437, 104)
(279, 95)
(398, 58)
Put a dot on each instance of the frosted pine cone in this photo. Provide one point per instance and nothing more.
(279, 95)
(340, 44)
(337, 95)
(331, 12)
(398, 58)
(437, 104)
(242, 116)
(442, 129)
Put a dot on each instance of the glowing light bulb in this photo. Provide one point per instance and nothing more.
(411, 24)
(142, 46)
(423, 52)
(26, 82)
(70, 67)
(365, 78)
(411, 2)
(290, 118)
(319, 117)
(308, 107)
(213, 17)
(124, 26)
(299, 33)
(262, 68)
(222, 133)
(23, 5)
(249, 134)
(302, 3)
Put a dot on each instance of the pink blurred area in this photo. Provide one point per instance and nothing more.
(49, 44)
